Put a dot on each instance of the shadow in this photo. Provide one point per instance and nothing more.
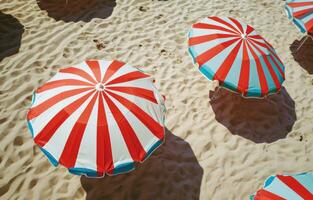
(304, 56)
(258, 120)
(77, 10)
(172, 172)
(11, 31)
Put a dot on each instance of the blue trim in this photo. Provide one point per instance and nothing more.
(152, 148)
(30, 128)
(53, 161)
(83, 171)
(29, 125)
(268, 181)
(122, 168)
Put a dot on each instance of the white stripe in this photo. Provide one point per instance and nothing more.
(125, 69)
(120, 153)
(57, 142)
(104, 67)
(87, 155)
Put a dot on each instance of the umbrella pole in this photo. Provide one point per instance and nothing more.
(302, 43)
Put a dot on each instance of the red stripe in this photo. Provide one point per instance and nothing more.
(299, 4)
(104, 149)
(256, 37)
(266, 195)
(69, 155)
(128, 77)
(113, 67)
(238, 24)
(206, 56)
(79, 72)
(47, 132)
(296, 186)
(95, 68)
(249, 29)
(262, 79)
(243, 82)
(223, 70)
(309, 25)
(210, 26)
(206, 38)
(59, 83)
(39, 109)
(134, 146)
(269, 66)
(220, 20)
(146, 119)
(300, 13)
(139, 92)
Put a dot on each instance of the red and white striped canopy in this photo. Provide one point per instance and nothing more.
(233, 53)
(97, 117)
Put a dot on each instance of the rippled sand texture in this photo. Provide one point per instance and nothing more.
(219, 146)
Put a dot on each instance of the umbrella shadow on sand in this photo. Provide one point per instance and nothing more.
(258, 120)
(77, 10)
(172, 172)
(304, 56)
(11, 31)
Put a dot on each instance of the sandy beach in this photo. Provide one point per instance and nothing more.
(218, 144)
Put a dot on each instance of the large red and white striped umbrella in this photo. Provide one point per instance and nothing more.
(97, 117)
(235, 55)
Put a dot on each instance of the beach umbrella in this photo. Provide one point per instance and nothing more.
(286, 187)
(301, 13)
(97, 117)
(235, 55)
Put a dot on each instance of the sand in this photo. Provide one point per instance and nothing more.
(219, 146)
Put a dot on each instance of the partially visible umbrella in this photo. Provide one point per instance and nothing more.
(97, 117)
(301, 14)
(235, 55)
(286, 187)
